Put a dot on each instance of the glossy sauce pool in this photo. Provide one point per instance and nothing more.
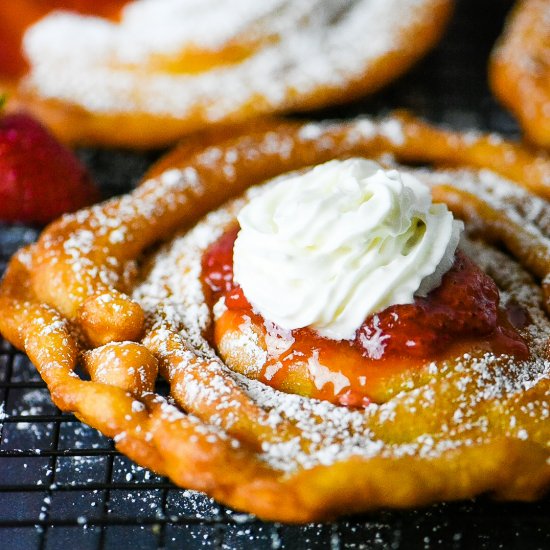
(460, 316)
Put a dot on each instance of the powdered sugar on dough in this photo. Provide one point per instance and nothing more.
(293, 48)
(171, 292)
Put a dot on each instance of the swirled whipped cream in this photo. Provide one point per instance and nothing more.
(347, 239)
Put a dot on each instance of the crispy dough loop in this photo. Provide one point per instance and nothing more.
(43, 334)
(425, 143)
(192, 380)
(531, 249)
(117, 414)
(222, 438)
(46, 337)
(16, 282)
(520, 68)
(111, 317)
(126, 365)
(439, 403)
(242, 478)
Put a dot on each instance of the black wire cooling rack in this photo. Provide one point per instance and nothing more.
(63, 485)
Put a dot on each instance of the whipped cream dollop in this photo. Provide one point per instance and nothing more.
(327, 248)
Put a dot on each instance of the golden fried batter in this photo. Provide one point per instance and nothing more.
(520, 68)
(167, 69)
(471, 425)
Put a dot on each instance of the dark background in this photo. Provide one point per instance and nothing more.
(62, 485)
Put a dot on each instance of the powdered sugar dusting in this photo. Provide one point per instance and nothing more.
(289, 49)
(461, 403)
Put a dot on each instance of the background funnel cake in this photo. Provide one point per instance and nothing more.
(164, 68)
(124, 291)
(520, 69)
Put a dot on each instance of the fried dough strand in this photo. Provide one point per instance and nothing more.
(520, 68)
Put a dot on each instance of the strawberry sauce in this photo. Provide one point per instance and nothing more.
(461, 315)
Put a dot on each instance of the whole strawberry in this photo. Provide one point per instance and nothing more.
(40, 179)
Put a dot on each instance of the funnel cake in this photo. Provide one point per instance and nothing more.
(98, 291)
(520, 68)
(171, 67)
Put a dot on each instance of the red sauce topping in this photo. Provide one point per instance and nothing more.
(459, 316)
(17, 15)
